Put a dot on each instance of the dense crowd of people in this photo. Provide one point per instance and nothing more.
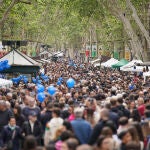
(106, 110)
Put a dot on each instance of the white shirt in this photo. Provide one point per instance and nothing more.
(32, 126)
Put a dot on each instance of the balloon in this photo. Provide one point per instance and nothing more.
(8, 66)
(40, 88)
(1, 68)
(51, 90)
(15, 80)
(131, 87)
(46, 80)
(58, 82)
(34, 80)
(42, 74)
(5, 62)
(60, 79)
(39, 81)
(70, 83)
(41, 97)
(25, 80)
(37, 77)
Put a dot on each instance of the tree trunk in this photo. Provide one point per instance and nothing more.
(137, 48)
(139, 23)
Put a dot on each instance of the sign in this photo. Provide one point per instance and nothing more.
(87, 53)
(94, 50)
(116, 55)
(127, 55)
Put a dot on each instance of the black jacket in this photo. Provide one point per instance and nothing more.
(37, 130)
(97, 131)
(6, 136)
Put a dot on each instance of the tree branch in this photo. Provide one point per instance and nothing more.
(6, 13)
(25, 2)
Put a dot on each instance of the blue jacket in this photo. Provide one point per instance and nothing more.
(6, 136)
(82, 130)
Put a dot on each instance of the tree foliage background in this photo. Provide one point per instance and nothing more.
(74, 23)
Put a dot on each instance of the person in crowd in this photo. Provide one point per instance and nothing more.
(30, 143)
(105, 143)
(81, 127)
(70, 144)
(99, 126)
(125, 138)
(33, 127)
(46, 115)
(141, 106)
(52, 126)
(31, 108)
(20, 119)
(11, 135)
(123, 124)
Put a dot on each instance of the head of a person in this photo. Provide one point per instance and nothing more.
(17, 110)
(125, 136)
(105, 143)
(66, 135)
(106, 131)
(66, 126)
(12, 122)
(30, 143)
(84, 147)
(31, 101)
(9, 96)
(140, 101)
(104, 114)
(70, 144)
(33, 117)
(113, 101)
(3, 106)
(78, 112)
(123, 121)
(132, 145)
(56, 112)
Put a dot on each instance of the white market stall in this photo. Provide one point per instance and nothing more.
(110, 62)
(131, 66)
(6, 83)
(146, 74)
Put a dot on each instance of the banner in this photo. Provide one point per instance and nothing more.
(94, 50)
(127, 55)
(116, 55)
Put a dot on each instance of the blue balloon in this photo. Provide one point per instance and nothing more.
(39, 81)
(15, 80)
(5, 62)
(70, 83)
(131, 87)
(8, 66)
(40, 88)
(51, 90)
(25, 80)
(58, 82)
(33, 80)
(60, 79)
(1, 68)
(42, 74)
(37, 77)
(41, 97)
